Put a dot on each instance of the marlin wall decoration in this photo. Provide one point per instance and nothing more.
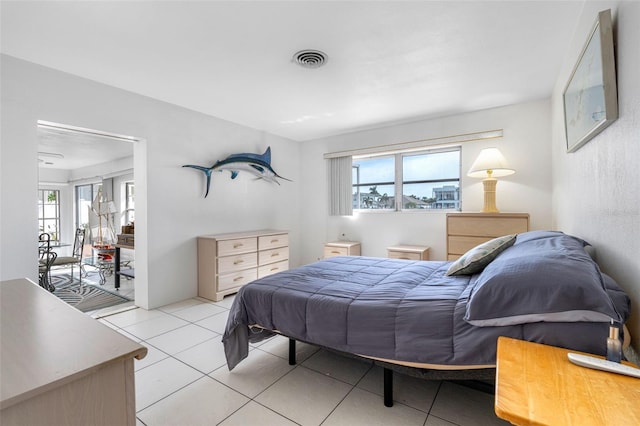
(256, 164)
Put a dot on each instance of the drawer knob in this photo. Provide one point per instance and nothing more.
(238, 279)
(274, 269)
(335, 251)
(274, 241)
(237, 245)
(239, 261)
(275, 254)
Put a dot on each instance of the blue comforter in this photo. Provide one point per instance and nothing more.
(396, 309)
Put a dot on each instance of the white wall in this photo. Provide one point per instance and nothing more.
(596, 190)
(170, 209)
(526, 145)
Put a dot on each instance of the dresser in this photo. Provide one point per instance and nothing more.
(341, 248)
(59, 365)
(467, 230)
(226, 262)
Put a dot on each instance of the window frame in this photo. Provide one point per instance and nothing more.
(399, 181)
(42, 218)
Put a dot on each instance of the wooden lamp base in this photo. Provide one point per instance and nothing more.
(490, 195)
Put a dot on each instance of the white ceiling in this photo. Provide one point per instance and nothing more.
(389, 61)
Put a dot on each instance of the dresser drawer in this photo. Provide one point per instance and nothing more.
(273, 241)
(241, 245)
(273, 255)
(238, 262)
(461, 245)
(237, 279)
(272, 268)
(487, 226)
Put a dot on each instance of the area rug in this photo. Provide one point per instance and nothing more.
(89, 298)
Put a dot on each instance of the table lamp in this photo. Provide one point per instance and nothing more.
(489, 165)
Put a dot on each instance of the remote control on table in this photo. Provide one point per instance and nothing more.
(604, 365)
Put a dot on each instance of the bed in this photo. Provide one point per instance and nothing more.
(540, 286)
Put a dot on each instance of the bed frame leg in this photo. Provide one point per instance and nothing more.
(292, 352)
(388, 387)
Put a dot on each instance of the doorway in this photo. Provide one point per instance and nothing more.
(91, 173)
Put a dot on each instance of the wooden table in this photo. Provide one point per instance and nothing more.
(537, 385)
(60, 366)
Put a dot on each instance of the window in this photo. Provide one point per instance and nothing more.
(427, 180)
(85, 194)
(129, 203)
(49, 212)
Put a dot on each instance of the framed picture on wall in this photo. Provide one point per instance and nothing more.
(590, 97)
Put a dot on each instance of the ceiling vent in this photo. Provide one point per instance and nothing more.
(310, 58)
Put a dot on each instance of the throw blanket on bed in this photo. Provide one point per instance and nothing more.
(412, 311)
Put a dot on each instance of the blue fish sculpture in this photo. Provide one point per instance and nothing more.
(256, 164)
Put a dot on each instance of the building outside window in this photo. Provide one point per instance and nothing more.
(85, 194)
(49, 212)
(426, 180)
(129, 213)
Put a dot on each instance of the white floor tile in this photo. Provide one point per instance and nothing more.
(204, 402)
(464, 406)
(304, 396)
(367, 409)
(349, 370)
(436, 421)
(254, 374)
(145, 330)
(197, 312)
(161, 379)
(133, 316)
(172, 307)
(216, 322)
(205, 357)
(153, 355)
(226, 302)
(279, 346)
(182, 338)
(411, 391)
(256, 414)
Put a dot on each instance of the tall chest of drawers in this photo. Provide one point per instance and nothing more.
(226, 262)
(467, 230)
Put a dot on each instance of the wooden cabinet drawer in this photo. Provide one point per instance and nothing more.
(273, 255)
(237, 279)
(236, 263)
(273, 241)
(461, 245)
(272, 268)
(487, 226)
(404, 255)
(241, 245)
(335, 251)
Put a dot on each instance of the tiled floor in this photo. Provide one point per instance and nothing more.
(184, 380)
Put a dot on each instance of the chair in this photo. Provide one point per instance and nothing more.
(44, 270)
(75, 258)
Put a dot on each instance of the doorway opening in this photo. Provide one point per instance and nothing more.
(88, 176)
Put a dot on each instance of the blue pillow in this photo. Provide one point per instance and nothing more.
(544, 276)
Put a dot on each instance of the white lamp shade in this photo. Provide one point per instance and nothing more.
(491, 163)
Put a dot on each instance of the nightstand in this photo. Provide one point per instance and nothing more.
(537, 384)
(408, 252)
(341, 248)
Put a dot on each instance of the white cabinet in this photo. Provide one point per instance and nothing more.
(341, 248)
(226, 262)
